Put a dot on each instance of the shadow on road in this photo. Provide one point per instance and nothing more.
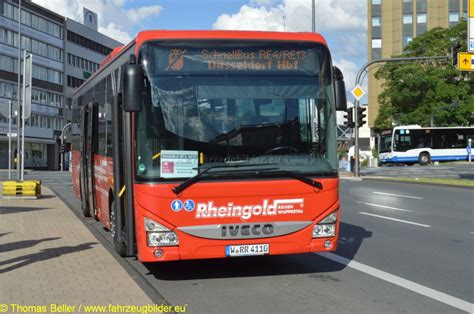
(6, 247)
(12, 209)
(43, 255)
(351, 238)
(466, 176)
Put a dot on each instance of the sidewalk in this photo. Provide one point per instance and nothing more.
(47, 256)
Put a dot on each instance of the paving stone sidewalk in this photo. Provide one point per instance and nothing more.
(48, 256)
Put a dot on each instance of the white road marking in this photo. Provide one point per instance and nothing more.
(388, 207)
(404, 283)
(399, 195)
(472, 232)
(394, 219)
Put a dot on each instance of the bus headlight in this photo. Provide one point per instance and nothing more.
(162, 239)
(159, 235)
(326, 227)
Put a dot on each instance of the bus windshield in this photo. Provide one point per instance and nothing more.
(386, 143)
(201, 117)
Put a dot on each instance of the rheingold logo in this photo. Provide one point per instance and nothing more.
(266, 208)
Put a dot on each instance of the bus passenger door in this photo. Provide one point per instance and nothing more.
(89, 136)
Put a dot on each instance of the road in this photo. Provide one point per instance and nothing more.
(447, 170)
(403, 248)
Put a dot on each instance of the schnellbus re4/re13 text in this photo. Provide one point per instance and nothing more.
(261, 60)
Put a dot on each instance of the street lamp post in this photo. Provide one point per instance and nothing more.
(62, 144)
(18, 117)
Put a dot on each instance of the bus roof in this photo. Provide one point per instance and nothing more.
(218, 34)
(151, 35)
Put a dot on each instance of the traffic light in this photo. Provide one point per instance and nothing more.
(349, 118)
(361, 116)
(455, 49)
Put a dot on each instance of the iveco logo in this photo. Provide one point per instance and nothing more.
(247, 230)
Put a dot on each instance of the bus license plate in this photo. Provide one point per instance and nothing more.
(247, 250)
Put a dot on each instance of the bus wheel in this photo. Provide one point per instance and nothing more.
(118, 245)
(424, 159)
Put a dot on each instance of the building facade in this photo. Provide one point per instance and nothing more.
(85, 48)
(65, 53)
(42, 34)
(392, 24)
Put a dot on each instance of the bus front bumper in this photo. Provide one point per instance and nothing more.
(197, 248)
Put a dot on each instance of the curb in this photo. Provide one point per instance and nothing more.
(125, 262)
(393, 179)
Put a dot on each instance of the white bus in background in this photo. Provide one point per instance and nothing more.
(412, 143)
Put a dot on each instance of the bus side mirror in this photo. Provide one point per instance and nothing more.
(339, 90)
(132, 86)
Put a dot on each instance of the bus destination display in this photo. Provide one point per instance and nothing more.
(176, 60)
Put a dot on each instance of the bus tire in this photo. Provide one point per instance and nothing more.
(119, 246)
(424, 158)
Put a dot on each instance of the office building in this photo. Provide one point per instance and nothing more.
(65, 53)
(392, 24)
(42, 34)
(85, 48)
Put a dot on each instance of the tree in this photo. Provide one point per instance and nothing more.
(414, 91)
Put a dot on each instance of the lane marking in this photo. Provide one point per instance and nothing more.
(388, 207)
(399, 195)
(404, 283)
(394, 219)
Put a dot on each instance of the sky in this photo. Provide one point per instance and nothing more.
(342, 22)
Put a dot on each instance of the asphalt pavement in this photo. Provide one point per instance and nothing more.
(403, 248)
(447, 170)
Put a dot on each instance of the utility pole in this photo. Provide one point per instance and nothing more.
(18, 117)
(356, 103)
(10, 139)
(313, 6)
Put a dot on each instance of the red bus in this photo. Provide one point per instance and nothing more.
(211, 144)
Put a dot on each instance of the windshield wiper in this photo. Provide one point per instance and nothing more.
(299, 177)
(183, 186)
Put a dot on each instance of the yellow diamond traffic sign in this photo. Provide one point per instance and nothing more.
(358, 92)
(465, 61)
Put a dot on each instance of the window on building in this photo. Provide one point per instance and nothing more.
(376, 21)
(407, 19)
(376, 2)
(406, 40)
(407, 7)
(376, 43)
(421, 26)
(453, 17)
(421, 18)
(421, 6)
(453, 5)
(376, 53)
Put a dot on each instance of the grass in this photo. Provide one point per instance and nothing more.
(455, 182)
